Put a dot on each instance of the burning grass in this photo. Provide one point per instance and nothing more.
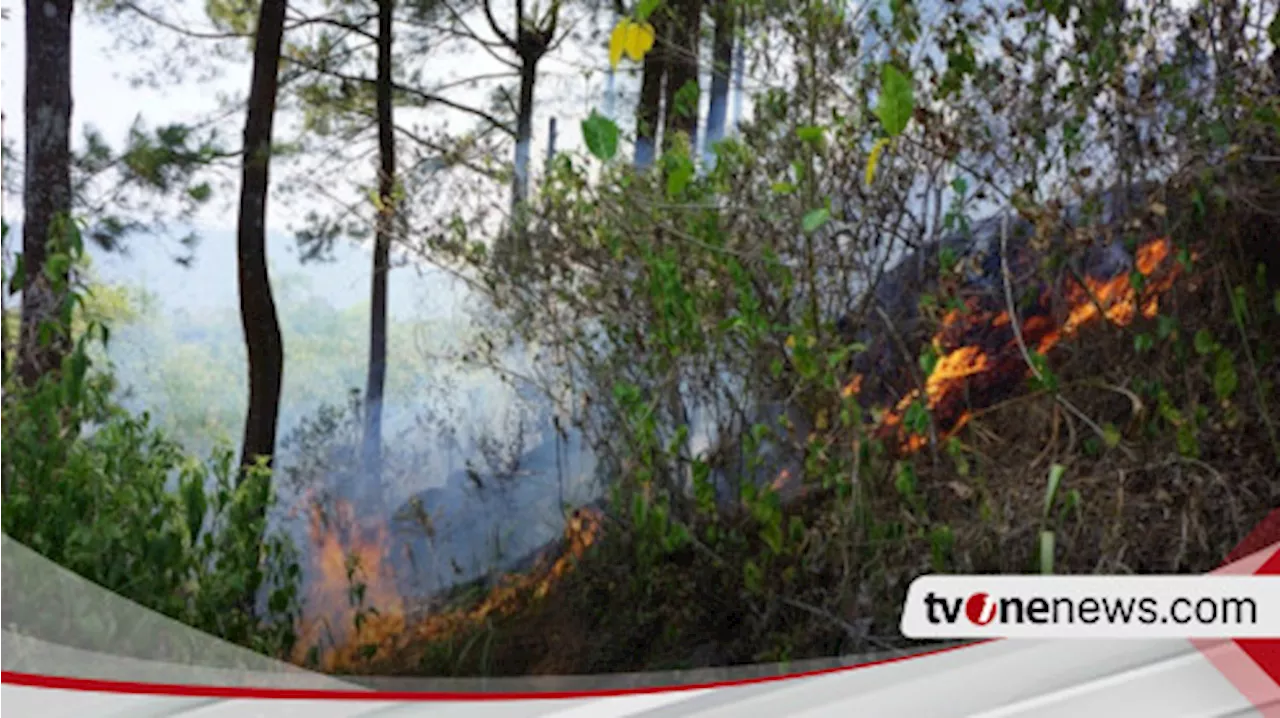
(981, 361)
(358, 619)
(351, 602)
(1139, 498)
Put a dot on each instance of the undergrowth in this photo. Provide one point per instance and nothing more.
(1172, 463)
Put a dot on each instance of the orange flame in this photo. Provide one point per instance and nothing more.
(351, 601)
(378, 635)
(582, 530)
(1115, 299)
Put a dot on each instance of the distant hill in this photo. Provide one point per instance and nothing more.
(209, 282)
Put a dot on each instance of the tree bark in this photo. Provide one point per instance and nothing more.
(739, 69)
(649, 111)
(531, 43)
(377, 377)
(47, 186)
(722, 62)
(682, 69)
(257, 307)
(524, 131)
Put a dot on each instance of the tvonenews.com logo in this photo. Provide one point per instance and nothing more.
(982, 609)
(1051, 606)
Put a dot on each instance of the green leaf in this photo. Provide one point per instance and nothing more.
(928, 359)
(645, 8)
(1204, 342)
(1225, 380)
(1185, 437)
(601, 135)
(771, 534)
(752, 576)
(947, 259)
(816, 218)
(1111, 435)
(941, 541)
(1137, 280)
(678, 538)
(686, 99)
(639, 509)
(917, 419)
(812, 134)
(897, 100)
(200, 192)
(796, 529)
(905, 482)
(678, 177)
(783, 188)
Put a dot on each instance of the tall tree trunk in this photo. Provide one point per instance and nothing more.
(524, 133)
(611, 77)
(529, 43)
(551, 143)
(377, 378)
(47, 185)
(682, 72)
(257, 307)
(722, 62)
(739, 69)
(649, 110)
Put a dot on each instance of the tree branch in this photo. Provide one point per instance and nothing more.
(340, 24)
(213, 35)
(413, 92)
(493, 25)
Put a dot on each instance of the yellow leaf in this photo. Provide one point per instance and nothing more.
(873, 160)
(791, 342)
(618, 41)
(639, 40)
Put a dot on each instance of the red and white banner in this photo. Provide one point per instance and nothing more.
(1131, 672)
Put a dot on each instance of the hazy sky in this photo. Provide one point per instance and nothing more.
(570, 85)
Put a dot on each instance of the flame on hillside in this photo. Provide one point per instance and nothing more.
(980, 361)
(515, 590)
(351, 604)
(349, 625)
(979, 364)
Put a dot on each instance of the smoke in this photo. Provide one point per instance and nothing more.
(481, 456)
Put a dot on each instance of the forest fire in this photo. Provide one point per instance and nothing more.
(513, 590)
(581, 531)
(980, 361)
(354, 612)
(351, 600)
